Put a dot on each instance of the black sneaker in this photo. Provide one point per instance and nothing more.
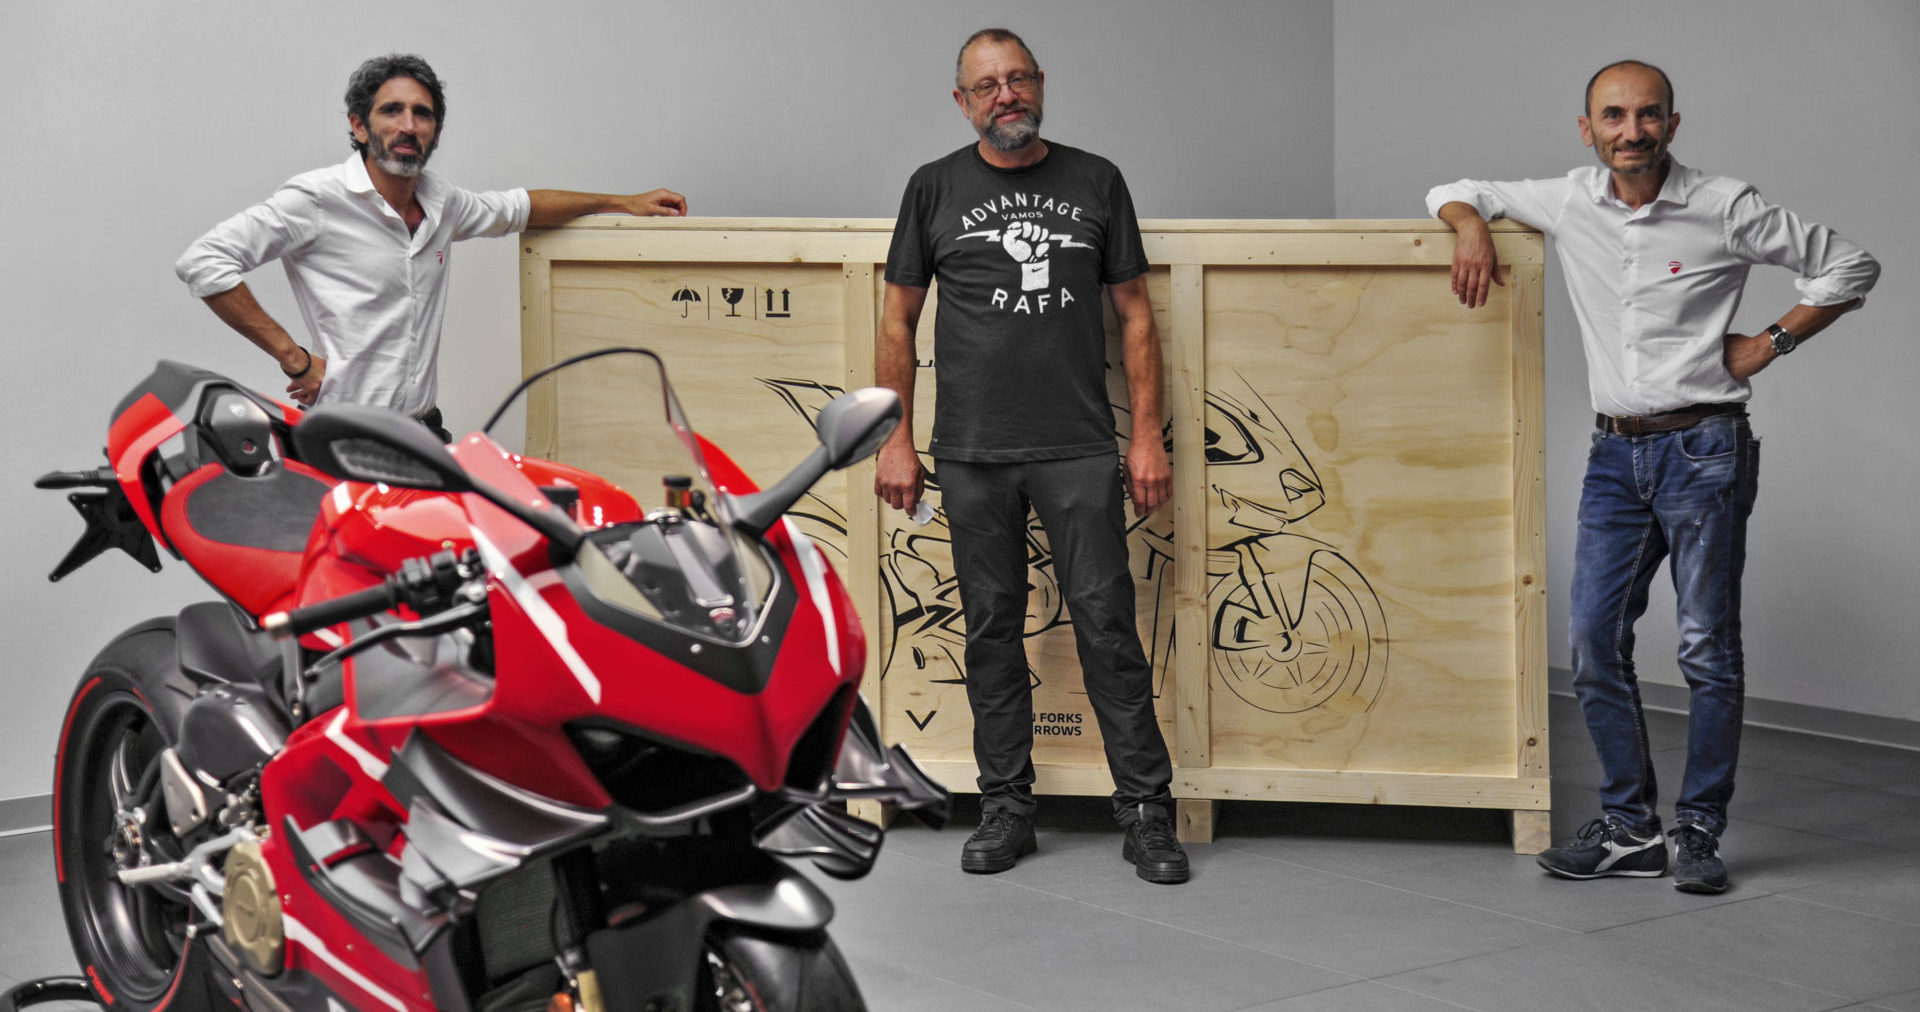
(1154, 850)
(1697, 867)
(1002, 839)
(1607, 848)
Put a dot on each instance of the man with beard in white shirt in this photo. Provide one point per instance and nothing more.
(1656, 256)
(367, 246)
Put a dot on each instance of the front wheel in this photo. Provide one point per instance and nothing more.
(749, 972)
(132, 942)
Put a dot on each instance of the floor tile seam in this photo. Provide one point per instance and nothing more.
(1353, 978)
(1762, 820)
(1416, 892)
(963, 985)
(1325, 871)
(1721, 904)
(1512, 949)
(1849, 910)
(1196, 933)
(1367, 980)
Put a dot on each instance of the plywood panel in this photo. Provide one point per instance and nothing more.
(750, 379)
(1360, 535)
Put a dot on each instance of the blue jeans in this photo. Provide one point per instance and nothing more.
(1684, 495)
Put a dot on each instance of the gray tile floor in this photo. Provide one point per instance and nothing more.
(1310, 908)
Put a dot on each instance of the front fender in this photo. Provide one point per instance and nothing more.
(654, 961)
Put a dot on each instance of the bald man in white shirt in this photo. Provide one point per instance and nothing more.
(1656, 256)
(367, 246)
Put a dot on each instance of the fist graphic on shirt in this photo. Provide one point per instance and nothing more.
(1026, 242)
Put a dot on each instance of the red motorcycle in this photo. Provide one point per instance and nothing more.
(467, 730)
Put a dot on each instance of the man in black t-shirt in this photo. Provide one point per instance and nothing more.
(1023, 236)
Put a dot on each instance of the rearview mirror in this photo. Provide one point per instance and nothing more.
(369, 444)
(854, 425)
(850, 428)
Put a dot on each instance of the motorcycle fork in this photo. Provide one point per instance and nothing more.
(576, 882)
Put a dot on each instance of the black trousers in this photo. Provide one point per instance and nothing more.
(1079, 505)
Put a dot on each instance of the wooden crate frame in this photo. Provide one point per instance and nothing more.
(1189, 251)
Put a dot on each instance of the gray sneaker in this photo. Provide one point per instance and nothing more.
(1697, 866)
(1606, 848)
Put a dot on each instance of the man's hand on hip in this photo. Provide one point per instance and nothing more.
(898, 477)
(1746, 355)
(1149, 477)
(307, 386)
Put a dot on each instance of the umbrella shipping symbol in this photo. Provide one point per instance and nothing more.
(686, 297)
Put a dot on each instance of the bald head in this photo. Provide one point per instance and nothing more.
(1626, 66)
(1001, 35)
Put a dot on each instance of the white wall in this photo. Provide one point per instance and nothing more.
(132, 128)
(1812, 103)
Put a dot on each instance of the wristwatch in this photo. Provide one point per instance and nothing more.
(1783, 339)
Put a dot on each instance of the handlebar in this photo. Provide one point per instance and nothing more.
(360, 604)
(426, 585)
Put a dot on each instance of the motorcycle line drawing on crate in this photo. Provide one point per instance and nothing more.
(465, 730)
(1293, 623)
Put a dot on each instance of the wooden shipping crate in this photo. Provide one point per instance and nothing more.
(1345, 600)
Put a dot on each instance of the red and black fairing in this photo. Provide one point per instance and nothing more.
(431, 767)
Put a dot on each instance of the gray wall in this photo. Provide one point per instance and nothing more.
(132, 128)
(1810, 102)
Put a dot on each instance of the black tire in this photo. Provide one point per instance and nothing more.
(131, 941)
(749, 972)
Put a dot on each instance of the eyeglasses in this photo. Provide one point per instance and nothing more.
(1022, 83)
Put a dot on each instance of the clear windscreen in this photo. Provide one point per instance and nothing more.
(686, 564)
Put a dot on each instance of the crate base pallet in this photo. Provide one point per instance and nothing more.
(1344, 602)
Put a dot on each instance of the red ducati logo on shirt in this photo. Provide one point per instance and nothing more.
(1673, 267)
(440, 256)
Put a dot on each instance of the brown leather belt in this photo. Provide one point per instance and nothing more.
(1666, 421)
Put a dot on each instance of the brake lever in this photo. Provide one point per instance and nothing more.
(458, 616)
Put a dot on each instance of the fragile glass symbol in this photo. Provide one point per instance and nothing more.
(733, 297)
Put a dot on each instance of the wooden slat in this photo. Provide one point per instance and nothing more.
(862, 573)
(756, 246)
(1318, 226)
(1399, 243)
(1531, 831)
(1362, 787)
(1194, 820)
(1193, 709)
(1529, 527)
(1223, 783)
(536, 349)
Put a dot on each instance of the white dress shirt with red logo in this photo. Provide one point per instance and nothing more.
(372, 294)
(1655, 289)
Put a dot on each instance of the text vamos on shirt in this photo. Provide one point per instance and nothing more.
(1021, 256)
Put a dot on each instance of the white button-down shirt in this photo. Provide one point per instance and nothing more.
(1655, 288)
(372, 294)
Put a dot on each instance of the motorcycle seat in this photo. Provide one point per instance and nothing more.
(246, 535)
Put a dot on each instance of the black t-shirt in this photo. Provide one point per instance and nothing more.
(1022, 256)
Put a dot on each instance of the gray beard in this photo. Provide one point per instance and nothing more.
(1013, 136)
(395, 166)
